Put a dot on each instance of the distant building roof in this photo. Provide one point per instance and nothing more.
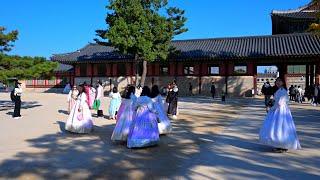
(64, 68)
(306, 12)
(286, 45)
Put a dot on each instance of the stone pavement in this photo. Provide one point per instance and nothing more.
(209, 141)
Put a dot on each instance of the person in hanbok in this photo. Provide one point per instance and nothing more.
(87, 91)
(72, 97)
(80, 119)
(114, 103)
(278, 129)
(172, 99)
(67, 88)
(144, 130)
(164, 124)
(92, 94)
(98, 100)
(125, 116)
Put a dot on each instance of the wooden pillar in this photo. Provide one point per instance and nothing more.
(312, 74)
(317, 78)
(172, 69)
(226, 77)
(156, 69)
(282, 68)
(307, 76)
(91, 73)
(255, 75)
(200, 74)
(77, 70)
(115, 70)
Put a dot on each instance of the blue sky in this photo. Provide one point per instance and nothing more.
(49, 27)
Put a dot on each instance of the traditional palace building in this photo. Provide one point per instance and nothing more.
(230, 62)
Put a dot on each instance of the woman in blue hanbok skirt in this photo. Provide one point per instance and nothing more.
(80, 119)
(144, 129)
(278, 129)
(125, 116)
(114, 103)
(164, 124)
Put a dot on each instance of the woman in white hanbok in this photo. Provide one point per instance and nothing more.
(278, 129)
(164, 124)
(80, 119)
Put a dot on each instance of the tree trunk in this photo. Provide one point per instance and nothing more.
(144, 73)
(136, 60)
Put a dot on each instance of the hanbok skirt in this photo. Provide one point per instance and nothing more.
(164, 124)
(114, 106)
(278, 129)
(124, 121)
(144, 129)
(79, 122)
(72, 102)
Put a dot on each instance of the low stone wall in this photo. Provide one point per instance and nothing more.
(237, 85)
(219, 82)
(240, 86)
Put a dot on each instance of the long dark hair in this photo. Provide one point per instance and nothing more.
(130, 90)
(81, 89)
(114, 89)
(283, 82)
(154, 91)
(145, 91)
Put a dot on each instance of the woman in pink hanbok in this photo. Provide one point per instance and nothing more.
(278, 129)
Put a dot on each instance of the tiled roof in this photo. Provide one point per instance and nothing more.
(301, 13)
(287, 45)
(63, 68)
(298, 15)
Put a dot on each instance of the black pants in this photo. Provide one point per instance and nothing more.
(17, 107)
(172, 109)
(212, 94)
(100, 113)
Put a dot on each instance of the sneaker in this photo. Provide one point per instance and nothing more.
(16, 118)
(174, 117)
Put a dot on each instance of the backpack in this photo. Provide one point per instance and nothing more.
(12, 96)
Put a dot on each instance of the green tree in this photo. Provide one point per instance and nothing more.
(25, 67)
(21, 67)
(315, 27)
(143, 29)
(6, 40)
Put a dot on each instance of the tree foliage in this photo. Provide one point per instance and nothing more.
(6, 40)
(25, 67)
(21, 67)
(315, 27)
(142, 28)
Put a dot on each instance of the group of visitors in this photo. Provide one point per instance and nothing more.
(296, 93)
(140, 117)
(313, 94)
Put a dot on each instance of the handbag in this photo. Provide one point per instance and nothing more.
(80, 116)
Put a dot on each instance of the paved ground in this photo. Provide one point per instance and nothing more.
(210, 141)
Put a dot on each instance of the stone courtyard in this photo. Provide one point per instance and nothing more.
(210, 140)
